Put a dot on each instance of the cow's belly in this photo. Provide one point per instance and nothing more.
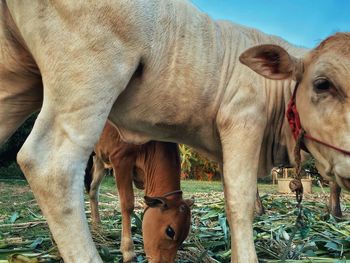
(143, 113)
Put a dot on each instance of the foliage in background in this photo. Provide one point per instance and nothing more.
(195, 166)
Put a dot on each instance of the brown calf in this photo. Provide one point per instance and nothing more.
(155, 167)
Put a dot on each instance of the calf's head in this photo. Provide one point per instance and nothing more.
(165, 225)
(322, 98)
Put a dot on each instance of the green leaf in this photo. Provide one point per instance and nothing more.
(36, 243)
(14, 217)
(105, 254)
(138, 221)
(223, 224)
(310, 253)
(333, 246)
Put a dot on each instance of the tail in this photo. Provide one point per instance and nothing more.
(88, 172)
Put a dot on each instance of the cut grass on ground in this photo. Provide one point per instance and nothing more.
(23, 230)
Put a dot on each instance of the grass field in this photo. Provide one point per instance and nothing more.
(23, 230)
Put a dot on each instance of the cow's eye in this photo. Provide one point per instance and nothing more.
(322, 85)
(170, 232)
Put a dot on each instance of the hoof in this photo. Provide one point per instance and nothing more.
(129, 257)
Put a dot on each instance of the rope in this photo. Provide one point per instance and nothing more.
(172, 193)
(299, 224)
(295, 125)
(345, 152)
(296, 186)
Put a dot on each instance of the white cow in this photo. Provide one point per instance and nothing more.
(161, 70)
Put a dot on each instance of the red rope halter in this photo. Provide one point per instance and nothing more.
(295, 125)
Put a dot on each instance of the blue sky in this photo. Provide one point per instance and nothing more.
(301, 22)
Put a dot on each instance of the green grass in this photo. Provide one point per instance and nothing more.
(187, 186)
(23, 227)
(192, 186)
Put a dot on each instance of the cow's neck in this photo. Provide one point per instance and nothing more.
(278, 145)
(278, 142)
(161, 165)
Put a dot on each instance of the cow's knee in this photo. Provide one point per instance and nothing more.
(93, 193)
(50, 177)
(57, 183)
(93, 196)
(26, 162)
(128, 208)
(36, 172)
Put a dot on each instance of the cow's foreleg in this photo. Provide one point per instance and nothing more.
(77, 100)
(97, 177)
(334, 200)
(240, 155)
(53, 161)
(123, 174)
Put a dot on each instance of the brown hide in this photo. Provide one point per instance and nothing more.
(154, 166)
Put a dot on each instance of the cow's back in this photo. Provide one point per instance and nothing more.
(188, 72)
(180, 73)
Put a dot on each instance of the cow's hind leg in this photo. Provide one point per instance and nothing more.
(77, 100)
(334, 200)
(123, 174)
(98, 174)
(259, 207)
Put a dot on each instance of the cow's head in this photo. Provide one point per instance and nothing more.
(165, 226)
(322, 99)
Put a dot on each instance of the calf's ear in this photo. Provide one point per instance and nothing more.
(156, 202)
(272, 62)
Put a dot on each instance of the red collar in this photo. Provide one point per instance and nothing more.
(293, 117)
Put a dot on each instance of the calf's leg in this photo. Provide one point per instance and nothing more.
(123, 175)
(98, 174)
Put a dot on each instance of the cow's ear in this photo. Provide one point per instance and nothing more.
(272, 61)
(156, 202)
